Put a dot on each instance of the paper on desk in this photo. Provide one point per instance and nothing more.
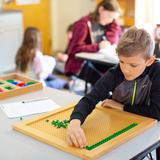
(110, 53)
(20, 109)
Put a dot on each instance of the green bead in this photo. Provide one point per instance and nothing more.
(1, 83)
(57, 121)
(30, 83)
(10, 80)
(54, 123)
(66, 121)
(8, 87)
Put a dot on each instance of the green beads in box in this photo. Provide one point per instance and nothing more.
(111, 137)
(60, 124)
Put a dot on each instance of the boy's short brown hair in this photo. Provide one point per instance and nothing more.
(135, 41)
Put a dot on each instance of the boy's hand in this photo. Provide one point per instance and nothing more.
(75, 134)
(111, 103)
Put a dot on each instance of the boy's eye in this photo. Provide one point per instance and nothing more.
(134, 65)
(121, 62)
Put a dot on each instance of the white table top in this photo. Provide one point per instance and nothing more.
(97, 57)
(14, 145)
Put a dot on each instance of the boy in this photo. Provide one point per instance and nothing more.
(134, 83)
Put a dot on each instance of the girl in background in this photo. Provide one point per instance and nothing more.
(92, 33)
(31, 62)
(62, 56)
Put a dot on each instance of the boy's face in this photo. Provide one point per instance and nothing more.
(132, 67)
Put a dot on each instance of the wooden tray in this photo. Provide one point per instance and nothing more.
(15, 90)
(102, 123)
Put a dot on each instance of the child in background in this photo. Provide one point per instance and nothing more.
(62, 57)
(92, 33)
(31, 62)
(157, 39)
(134, 84)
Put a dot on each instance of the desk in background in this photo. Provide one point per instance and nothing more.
(15, 145)
(98, 59)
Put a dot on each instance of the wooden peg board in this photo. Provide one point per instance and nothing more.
(102, 123)
(15, 84)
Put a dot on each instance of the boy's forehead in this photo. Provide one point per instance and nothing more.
(133, 58)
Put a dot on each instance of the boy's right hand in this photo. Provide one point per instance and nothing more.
(75, 134)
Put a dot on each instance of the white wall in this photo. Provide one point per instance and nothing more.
(65, 12)
(1, 1)
(148, 15)
(10, 39)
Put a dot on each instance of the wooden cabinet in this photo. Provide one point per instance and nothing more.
(128, 12)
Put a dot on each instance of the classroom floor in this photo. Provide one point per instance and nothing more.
(76, 85)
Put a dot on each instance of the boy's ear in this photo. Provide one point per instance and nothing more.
(150, 60)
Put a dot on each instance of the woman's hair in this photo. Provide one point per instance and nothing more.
(135, 41)
(26, 53)
(110, 5)
(70, 28)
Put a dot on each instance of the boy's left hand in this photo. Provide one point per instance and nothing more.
(112, 104)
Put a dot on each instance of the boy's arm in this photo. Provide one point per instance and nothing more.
(98, 93)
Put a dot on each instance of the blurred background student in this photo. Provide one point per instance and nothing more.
(62, 56)
(157, 41)
(31, 62)
(92, 33)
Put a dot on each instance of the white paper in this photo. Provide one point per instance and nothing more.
(95, 56)
(20, 109)
(110, 53)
